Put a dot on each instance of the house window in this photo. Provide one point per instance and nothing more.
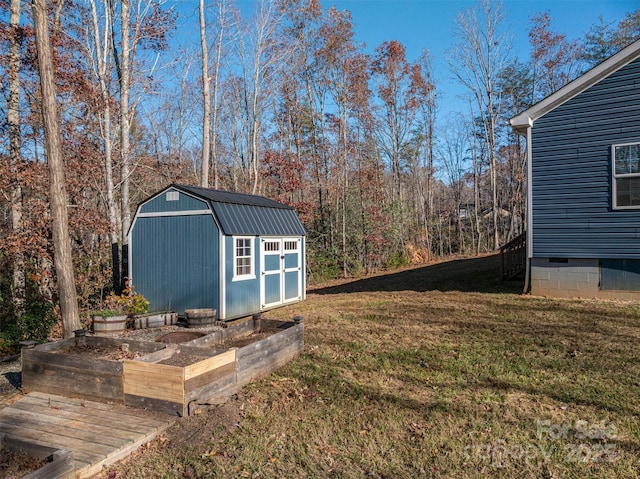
(243, 258)
(626, 175)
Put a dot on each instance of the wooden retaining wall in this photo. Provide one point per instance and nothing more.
(45, 370)
(168, 377)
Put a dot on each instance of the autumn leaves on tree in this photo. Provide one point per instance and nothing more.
(281, 101)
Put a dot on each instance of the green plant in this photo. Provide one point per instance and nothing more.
(128, 302)
(108, 313)
(397, 260)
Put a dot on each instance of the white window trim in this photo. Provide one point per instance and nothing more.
(614, 176)
(244, 277)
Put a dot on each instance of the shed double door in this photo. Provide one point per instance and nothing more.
(281, 265)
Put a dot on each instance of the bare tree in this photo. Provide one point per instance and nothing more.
(206, 97)
(261, 52)
(15, 157)
(57, 189)
(125, 122)
(223, 14)
(99, 46)
(476, 61)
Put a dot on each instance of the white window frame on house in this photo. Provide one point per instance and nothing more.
(632, 172)
(243, 263)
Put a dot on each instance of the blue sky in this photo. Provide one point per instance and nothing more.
(430, 24)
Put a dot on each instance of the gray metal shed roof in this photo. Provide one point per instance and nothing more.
(244, 214)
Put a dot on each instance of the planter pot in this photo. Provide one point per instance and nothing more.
(109, 324)
(200, 317)
(154, 320)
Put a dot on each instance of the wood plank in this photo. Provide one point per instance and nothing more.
(118, 422)
(71, 382)
(248, 371)
(62, 423)
(52, 439)
(277, 338)
(52, 345)
(220, 388)
(256, 351)
(72, 362)
(115, 456)
(62, 466)
(209, 377)
(73, 420)
(60, 426)
(206, 365)
(157, 381)
(151, 418)
(160, 355)
(208, 341)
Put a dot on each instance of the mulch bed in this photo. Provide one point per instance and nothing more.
(99, 352)
(14, 465)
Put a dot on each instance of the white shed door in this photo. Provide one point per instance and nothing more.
(281, 277)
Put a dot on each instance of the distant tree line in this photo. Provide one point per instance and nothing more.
(283, 102)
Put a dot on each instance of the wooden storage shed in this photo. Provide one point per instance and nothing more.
(193, 247)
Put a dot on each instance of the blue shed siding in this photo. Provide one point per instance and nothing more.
(185, 202)
(174, 262)
(242, 298)
(571, 182)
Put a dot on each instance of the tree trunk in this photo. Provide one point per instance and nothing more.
(57, 189)
(222, 12)
(125, 121)
(206, 96)
(102, 55)
(15, 159)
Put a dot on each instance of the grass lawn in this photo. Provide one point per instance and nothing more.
(440, 371)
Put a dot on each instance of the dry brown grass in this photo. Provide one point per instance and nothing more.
(440, 371)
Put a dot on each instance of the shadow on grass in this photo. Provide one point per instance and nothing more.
(472, 275)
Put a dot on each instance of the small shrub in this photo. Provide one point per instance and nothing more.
(129, 302)
(397, 260)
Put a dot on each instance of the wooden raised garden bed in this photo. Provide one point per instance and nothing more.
(159, 376)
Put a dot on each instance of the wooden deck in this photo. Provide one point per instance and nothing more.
(97, 434)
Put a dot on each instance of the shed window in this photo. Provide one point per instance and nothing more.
(291, 245)
(626, 175)
(243, 258)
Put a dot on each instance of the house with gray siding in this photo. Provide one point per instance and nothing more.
(192, 247)
(583, 218)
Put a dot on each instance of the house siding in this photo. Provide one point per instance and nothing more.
(571, 183)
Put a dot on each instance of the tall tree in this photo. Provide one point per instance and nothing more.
(15, 155)
(476, 61)
(100, 47)
(554, 59)
(262, 50)
(124, 75)
(57, 189)
(606, 39)
(206, 99)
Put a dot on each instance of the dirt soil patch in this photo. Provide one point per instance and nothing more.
(14, 465)
(89, 351)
